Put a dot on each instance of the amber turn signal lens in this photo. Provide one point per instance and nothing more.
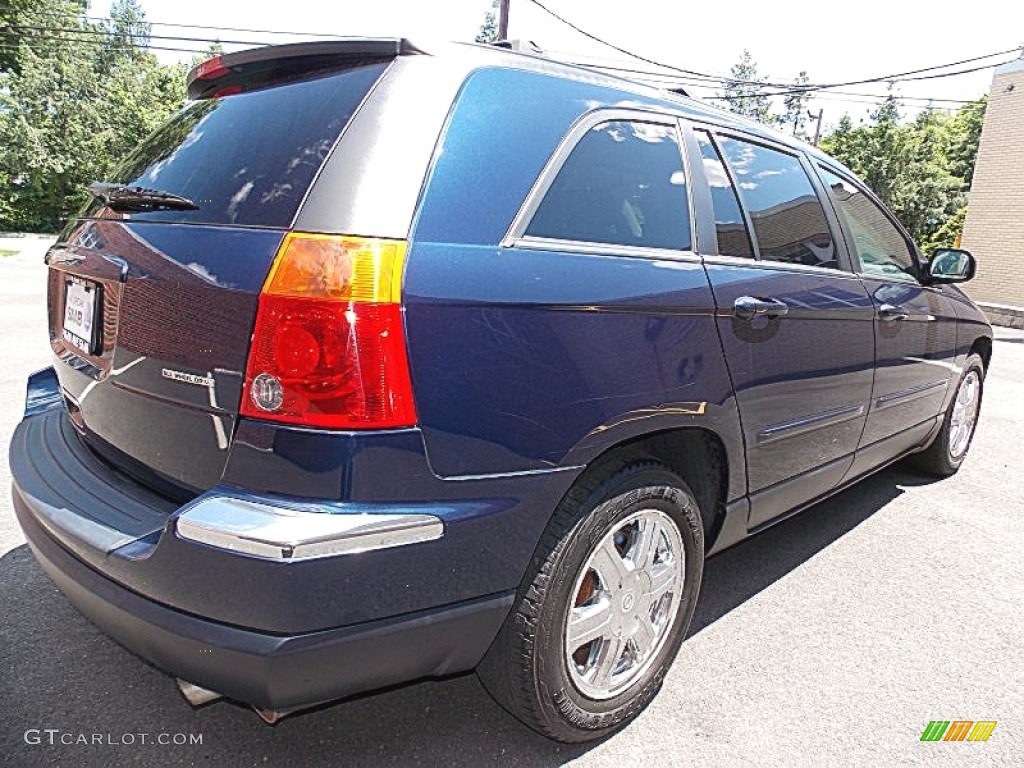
(339, 268)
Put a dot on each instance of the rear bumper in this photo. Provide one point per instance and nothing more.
(274, 671)
(224, 555)
(220, 594)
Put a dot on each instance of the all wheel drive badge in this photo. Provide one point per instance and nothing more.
(187, 378)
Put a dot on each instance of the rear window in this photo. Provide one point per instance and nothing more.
(248, 159)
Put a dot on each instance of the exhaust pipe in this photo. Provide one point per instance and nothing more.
(196, 695)
(270, 716)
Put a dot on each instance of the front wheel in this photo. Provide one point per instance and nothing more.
(607, 602)
(949, 449)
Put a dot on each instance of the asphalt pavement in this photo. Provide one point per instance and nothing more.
(831, 639)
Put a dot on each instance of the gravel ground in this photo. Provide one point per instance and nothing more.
(831, 639)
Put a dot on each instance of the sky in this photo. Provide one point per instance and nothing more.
(833, 42)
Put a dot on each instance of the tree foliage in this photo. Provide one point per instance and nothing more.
(794, 118)
(73, 103)
(489, 29)
(742, 92)
(921, 169)
(20, 21)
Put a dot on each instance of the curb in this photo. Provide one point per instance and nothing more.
(1003, 315)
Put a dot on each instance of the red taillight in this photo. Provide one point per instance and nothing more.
(328, 349)
(210, 69)
(227, 90)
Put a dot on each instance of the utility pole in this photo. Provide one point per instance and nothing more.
(817, 127)
(503, 20)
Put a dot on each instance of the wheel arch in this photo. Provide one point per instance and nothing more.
(982, 347)
(697, 454)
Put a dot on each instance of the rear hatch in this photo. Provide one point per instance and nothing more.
(151, 311)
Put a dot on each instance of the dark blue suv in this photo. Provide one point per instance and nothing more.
(376, 363)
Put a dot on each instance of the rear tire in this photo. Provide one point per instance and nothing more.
(948, 450)
(621, 560)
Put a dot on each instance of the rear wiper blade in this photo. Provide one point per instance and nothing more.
(137, 199)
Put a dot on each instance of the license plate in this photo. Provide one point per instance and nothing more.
(81, 309)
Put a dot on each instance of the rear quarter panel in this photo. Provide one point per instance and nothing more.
(526, 359)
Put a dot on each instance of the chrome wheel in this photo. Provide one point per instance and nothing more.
(965, 414)
(625, 601)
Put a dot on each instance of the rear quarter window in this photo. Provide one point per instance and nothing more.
(622, 184)
(248, 159)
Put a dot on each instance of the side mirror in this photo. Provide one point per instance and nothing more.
(951, 265)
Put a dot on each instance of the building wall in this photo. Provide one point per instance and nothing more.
(994, 231)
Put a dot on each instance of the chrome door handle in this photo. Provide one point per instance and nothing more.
(747, 307)
(890, 312)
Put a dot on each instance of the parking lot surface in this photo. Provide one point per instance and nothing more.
(831, 639)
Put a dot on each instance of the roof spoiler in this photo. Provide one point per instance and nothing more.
(234, 72)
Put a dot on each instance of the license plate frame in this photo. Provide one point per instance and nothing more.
(83, 322)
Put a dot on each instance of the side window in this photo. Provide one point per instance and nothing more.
(788, 219)
(733, 238)
(622, 184)
(881, 247)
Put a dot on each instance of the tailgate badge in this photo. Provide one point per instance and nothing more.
(187, 378)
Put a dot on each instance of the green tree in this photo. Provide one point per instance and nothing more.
(887, 143)
(841, 142)
(926, 193)
(21, 22)
(126, 35)
(127, 27)
(489, 29)
(920, 170)
(742, 92)
(960, 139)
(69, 111)
(795, 116)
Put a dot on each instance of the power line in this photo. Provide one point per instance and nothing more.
(14, 47)
(10, 49)
(597, 39)
(793, 88)
(185, 26)
(664, 76)
(811, 86)
(661, 80)
(937, 76)
(241, 29)
(98, 44)
(55, 34)
(695, 78)
(106, 33)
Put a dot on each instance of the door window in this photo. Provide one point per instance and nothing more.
(733, 237)
(789, 221)
(622, 184)
(879, 245)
